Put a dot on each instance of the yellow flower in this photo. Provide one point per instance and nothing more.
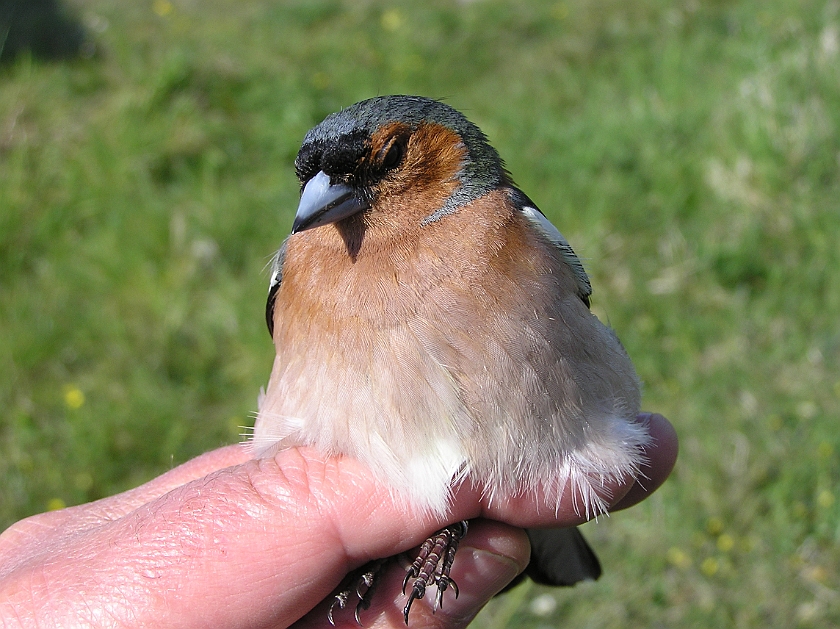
(73, 397)
(725, 543)
(710, 566)
(392, 20)
(678, 557)
(714, 526)
(162, 7)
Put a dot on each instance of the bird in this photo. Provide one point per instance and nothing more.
(431, 322)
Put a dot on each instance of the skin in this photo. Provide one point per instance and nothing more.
(228, 541)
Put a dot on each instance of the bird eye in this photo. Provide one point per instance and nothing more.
(393, 154)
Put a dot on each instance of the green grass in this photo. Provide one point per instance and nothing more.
(689, 151)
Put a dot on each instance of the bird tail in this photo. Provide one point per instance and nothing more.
(561, 557)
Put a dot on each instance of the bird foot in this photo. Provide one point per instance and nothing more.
(432, 565)
(361, 584)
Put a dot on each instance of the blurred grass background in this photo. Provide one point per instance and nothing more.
(688, 150)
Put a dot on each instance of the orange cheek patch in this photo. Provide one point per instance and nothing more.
(435, 154)
(423, 181)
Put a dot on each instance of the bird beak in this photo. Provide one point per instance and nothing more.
(322, 203)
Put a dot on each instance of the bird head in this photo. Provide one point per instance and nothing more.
(390, 160)
(394, 182)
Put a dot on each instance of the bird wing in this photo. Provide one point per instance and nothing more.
(274, 285)
(548, 231)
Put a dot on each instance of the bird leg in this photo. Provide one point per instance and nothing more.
(433, 564)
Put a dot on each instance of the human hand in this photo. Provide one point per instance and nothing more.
(226, 541)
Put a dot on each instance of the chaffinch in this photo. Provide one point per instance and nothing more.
(431, 322)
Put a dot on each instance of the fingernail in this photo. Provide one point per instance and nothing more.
(481, 575)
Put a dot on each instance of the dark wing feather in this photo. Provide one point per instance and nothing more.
(274, 285)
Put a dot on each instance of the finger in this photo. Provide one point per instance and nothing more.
(65, 523)
(81, 517)
(489, 557)
(661, 458)
(202, 465)
(267, 540)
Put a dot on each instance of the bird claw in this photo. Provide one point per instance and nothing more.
(432, 565)
(418, 591)
(364, 579)
(340, 600)
(360, 607)
(443, 582)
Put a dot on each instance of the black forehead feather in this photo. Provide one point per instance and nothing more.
(332, 156)
(354, 125)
